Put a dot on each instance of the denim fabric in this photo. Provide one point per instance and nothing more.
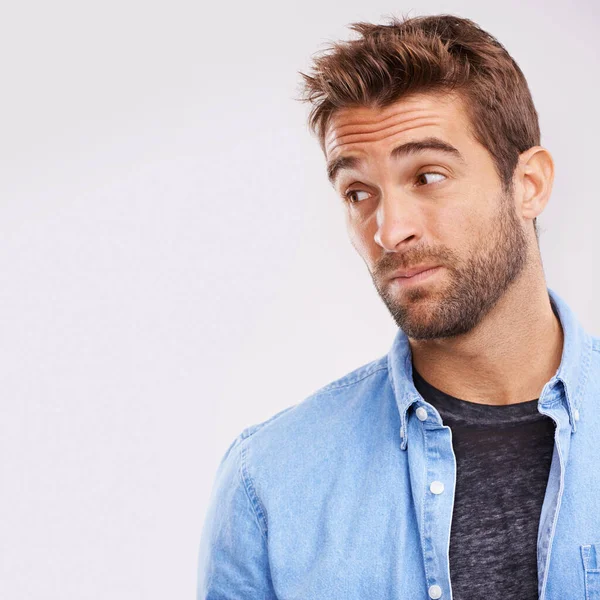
(348, 494)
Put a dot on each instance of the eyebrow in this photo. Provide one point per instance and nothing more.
(414, 147)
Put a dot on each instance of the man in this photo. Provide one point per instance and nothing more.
(463, 463)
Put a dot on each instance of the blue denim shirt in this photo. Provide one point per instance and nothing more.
(330, 498)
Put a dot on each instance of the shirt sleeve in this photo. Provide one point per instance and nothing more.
(233, 561)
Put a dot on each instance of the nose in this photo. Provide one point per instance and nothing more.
(398, 222)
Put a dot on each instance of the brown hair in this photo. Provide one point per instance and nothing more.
(428, 54)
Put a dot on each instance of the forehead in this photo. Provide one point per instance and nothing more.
(412, 117)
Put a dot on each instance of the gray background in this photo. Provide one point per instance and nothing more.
(175, 266)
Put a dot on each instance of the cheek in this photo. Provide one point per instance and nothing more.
(463, 215)
(471, 236)
(457, 230)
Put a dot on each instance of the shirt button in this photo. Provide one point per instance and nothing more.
(435, 592)
(576, 415)
(436, 487)
(421, 413)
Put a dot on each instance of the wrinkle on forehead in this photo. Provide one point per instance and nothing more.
(364, 124)
(382, 133)
(369, 121)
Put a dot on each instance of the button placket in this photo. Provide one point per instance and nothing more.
(436, 488)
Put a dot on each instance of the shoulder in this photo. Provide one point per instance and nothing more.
(324, 405)
(273, 460)
(325, 419)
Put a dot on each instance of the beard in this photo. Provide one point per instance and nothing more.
(433, 310)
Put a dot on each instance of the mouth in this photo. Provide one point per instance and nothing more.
(419, 277)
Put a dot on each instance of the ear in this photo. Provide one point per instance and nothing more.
(534, 176)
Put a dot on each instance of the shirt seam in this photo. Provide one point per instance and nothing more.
(252, 429)
(257, 508)
(554, 523)
(332, 386)
(424, 534)
(586, 371)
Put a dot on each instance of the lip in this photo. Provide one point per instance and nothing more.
(417, 276)
(408, 273)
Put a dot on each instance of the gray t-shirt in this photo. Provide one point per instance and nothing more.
(503, 456)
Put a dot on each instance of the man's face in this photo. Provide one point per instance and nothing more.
(427, 206)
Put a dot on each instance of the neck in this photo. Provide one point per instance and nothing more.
(507, 358)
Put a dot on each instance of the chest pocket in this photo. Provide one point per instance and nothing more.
(590, 554)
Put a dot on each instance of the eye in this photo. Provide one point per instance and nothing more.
(423, 175)
(348, 195)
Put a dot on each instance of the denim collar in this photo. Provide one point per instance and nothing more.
(572, 372)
